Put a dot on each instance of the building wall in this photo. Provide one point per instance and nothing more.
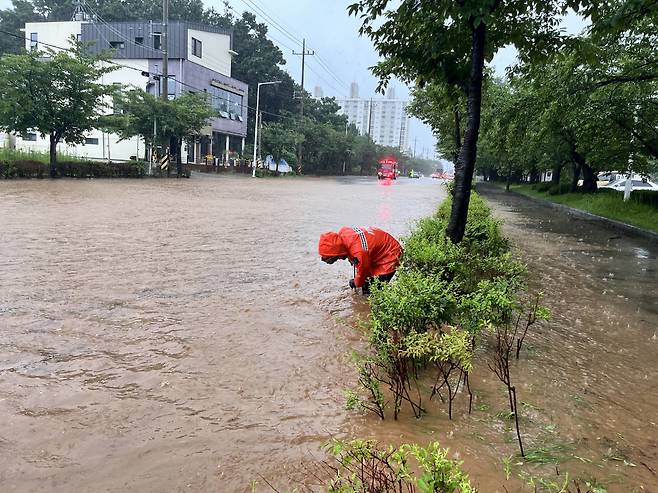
(101, 35)
(196, 77)
(211, 73)
(387, 124)
(215, 51)
(54, 33)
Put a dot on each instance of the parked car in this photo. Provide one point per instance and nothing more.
(638, 184)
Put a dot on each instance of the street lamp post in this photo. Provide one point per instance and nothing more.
(253, 174)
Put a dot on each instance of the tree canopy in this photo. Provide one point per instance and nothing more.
(53, 93)
(446, 43)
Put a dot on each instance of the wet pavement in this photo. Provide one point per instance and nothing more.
(183, 336)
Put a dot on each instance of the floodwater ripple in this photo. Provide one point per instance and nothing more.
(176, 335)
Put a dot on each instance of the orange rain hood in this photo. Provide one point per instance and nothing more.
(331, 245)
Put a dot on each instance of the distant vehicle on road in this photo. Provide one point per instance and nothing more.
(414, 174)
(387, 169)
(442, 175)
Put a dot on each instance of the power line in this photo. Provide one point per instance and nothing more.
(321, 61)
(210, 95)
(260, 11)
(275, 24)
(160, 52)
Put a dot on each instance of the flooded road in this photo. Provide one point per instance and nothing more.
(183, 336)
(176, 335)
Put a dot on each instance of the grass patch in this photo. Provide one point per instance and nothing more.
(607, 205)
(11, 155)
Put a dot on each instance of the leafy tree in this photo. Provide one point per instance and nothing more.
(54, 93)
(178, 119)
(281, 141)
(443, 108)
(447, 42)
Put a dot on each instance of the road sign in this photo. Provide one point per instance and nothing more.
(164, 161)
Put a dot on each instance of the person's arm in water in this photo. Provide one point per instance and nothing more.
(363, 268)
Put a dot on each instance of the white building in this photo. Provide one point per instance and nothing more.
(384, 120)
(199, 59)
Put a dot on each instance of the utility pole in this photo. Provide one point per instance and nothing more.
(345, 158)
(301, 105)
(260, 135)
(165, 55)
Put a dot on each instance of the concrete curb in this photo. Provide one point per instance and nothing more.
(618, 225)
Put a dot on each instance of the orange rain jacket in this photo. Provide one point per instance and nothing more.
(372, 251)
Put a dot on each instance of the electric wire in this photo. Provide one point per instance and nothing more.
(220, 63)
(254, 9)
(197, 89)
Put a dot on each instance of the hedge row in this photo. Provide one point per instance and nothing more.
(72, 169)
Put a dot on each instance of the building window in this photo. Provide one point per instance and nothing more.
(117, 45)
(91, 141)
(34, 38)
(78, 37)
(196, 47)
(171, 87)
(139, 40)
(156, 41)
(226, 102)
(31, 137)
(117, 103)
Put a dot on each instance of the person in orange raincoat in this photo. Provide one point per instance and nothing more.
(372, 251)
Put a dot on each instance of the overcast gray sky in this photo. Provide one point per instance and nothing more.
(341, 55)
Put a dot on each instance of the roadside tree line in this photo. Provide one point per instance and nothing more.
(588, 106)
(590, 92)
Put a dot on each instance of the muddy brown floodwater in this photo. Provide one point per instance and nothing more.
(183, 336)
(176, 335)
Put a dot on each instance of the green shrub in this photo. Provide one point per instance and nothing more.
(543, 186)
(559, 189)
(442, 297)
(648, 197)
(362, 466)
(411, 303)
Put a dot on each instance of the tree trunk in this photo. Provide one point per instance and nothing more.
(574, 179)
(589, 179)
(53, 155)
(458, 134)
(579, 164)
(179, 157)
(557, 173)
(468, 152)
(508, 181)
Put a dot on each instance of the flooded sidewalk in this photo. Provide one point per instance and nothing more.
(592, 374)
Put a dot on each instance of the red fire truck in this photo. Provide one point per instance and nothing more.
(387, 169)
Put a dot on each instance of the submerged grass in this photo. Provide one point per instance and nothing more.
(548, 454)
(609, 205)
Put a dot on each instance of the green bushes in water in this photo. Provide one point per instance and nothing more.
(363, 466)
(444, 300)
